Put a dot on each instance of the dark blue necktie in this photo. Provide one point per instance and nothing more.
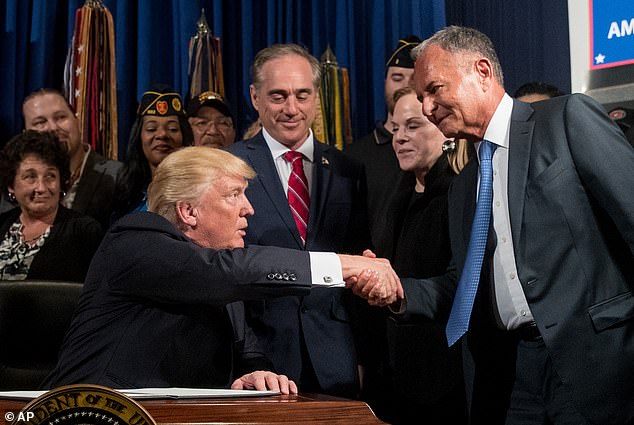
(468, 286)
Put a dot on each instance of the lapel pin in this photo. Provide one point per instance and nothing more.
(324, 161)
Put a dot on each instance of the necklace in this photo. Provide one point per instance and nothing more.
(35, 238)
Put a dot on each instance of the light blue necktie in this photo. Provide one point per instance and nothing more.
(468, 286)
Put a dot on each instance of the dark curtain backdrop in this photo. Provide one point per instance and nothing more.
(152, 39)
(531, 37)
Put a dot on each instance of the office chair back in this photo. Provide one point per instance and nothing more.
(34, 317)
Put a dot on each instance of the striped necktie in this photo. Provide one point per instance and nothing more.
(298, 197)
(458, 322)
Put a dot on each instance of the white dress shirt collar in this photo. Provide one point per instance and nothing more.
(499, 127)
(277, 149)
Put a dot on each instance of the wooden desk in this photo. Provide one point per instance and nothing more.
(298, 409)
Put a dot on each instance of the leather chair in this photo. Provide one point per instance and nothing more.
(34, 317)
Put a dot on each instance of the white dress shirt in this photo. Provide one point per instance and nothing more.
(325, 267)
(284, 168)
(511, 302)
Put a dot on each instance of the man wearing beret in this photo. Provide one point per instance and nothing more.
(211, 120)
(374, 150)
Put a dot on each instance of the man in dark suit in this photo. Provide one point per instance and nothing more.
(310, 338)
(96, 182)
(549, 338)
(161, 302)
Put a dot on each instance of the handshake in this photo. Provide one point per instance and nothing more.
(371, 278)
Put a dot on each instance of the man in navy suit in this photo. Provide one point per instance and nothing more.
(161, 305)
(550, 336)
(308, 338)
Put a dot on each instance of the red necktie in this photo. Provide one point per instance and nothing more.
(298, 197)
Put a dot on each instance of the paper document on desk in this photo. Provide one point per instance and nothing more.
(175, 392)
(158, 393)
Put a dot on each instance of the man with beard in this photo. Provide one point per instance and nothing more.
(95, 182)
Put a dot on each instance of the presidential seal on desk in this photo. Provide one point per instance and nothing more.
(83, 404)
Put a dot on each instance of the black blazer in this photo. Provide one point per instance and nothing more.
(337, 223)
(154, 310)
(69, 248)
(572, 219)
(375, 152)
(100, 189)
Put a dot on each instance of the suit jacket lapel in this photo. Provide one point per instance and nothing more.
(260, 158)
(520, 140)
(320, 187)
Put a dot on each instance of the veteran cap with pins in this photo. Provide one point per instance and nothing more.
(401, 56)
(161, 101)
(208, 98)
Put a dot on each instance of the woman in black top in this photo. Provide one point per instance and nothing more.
(41, 239)
(415, 378)
(160, 128)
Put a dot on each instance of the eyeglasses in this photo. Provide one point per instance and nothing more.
(220, 124)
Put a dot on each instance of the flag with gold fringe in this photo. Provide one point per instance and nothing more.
(333, 124)
(205, 61)
(90, 80)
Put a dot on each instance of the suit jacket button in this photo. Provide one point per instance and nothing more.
(285, 276)
(278, 276)
(292, 277)
(270, 276)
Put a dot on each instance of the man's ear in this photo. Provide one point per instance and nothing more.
(254, 96)
(187, 214)
(484, 70)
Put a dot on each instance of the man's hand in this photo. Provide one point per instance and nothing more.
(371, 278)
(262, 380)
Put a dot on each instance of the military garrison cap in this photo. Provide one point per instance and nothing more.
(402, 54)
(161, 102)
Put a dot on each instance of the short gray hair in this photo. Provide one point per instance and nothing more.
(277, 51)
(457, 39)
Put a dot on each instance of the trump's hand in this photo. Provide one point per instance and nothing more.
(262, 380)
(371, 278)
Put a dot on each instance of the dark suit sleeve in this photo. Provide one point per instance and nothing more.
(604, 161)
(431, 298)
(158, 267)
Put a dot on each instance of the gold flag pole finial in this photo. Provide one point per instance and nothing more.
(94, 3)
(202, 25)
(328, 57)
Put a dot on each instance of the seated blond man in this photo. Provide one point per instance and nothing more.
(161, 302)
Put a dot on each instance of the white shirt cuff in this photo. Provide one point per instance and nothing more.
(325, 269)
